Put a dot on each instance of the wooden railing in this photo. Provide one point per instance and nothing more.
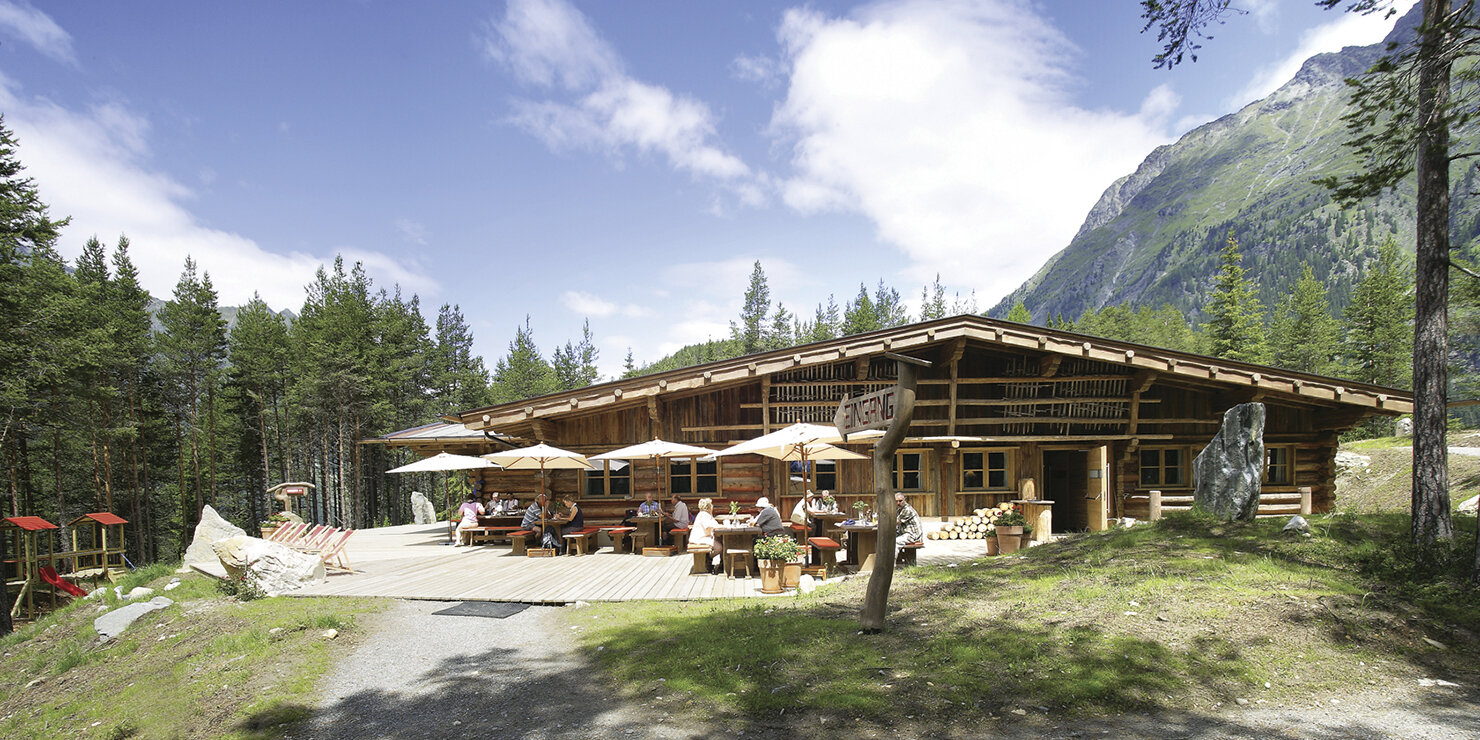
(1270, 504)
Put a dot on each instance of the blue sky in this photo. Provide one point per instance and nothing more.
(622, 162)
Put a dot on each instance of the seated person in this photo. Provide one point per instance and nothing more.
(679, 519)
(804, 505)
(570, 519)
(907, 524)
(468, 515)
(701, 533)
(650, 506)
(535, 515)
(769, 520)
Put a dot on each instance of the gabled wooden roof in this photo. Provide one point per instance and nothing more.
(977, 331)
(101, 517)
(28, 523)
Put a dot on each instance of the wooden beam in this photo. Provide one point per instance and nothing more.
(958, 349)
(1026, 379)
(766, 386)
(655, 416)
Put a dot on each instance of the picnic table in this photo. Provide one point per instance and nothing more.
(829, 521)
(650, 527)
(862, 542)
(737, 537)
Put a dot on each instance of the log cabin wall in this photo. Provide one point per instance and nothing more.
(1001, 396)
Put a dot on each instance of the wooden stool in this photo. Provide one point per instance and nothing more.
(619, 537)
(736, 559)
(680, 537)
(826, 550)
(798, 532)
(701, 559)
(907, 552)
(639, 541)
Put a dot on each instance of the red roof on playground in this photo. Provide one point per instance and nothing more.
(101, 517)
(30, 523)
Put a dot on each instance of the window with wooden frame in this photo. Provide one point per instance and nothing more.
(610, 481)
(1279, 465)
(693, 476)
(1164, 466)
(986, 470)
(909, 470)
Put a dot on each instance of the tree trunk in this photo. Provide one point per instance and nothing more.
(876, 600)
(185, 519)
(1431, 521)
(211, 438)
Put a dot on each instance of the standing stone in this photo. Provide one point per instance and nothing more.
(277, 568)
(211, 529)
(1226, 474)
(1405, 426)
(422, 510)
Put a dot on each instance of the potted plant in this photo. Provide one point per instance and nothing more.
(1027, 537)
(991, 538)
(858, 508)
(734, 508)
(1010, 529)
(776, 553)
(828, 502)
(271, 524)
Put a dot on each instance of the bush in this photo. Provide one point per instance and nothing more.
(777, 547)
(244, 588)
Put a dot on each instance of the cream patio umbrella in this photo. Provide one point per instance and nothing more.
(444, 462)
(799, 442)
(656, 450)
(541, 456)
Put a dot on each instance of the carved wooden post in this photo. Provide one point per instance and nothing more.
(1305, 500)
(876, 600)
(1155, 512)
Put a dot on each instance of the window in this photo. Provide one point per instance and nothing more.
(1279, 465)
(823, 475)
(692, 476)
(1163, 467)
(909, 471)
(614, 479)
(985, 470)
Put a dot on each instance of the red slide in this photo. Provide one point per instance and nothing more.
(49, 574)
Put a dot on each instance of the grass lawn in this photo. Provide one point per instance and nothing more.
(208, 666)
(1185, 614)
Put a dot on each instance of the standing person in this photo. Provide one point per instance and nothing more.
(907, 523)
(702, 533)
(768, 519)
(468, 515)
(680, 518)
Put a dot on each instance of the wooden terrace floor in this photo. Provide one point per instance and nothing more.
(414, 562)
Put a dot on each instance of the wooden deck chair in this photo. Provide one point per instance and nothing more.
(307, 535)
(288, 532)
(314, 541)
(333, 552)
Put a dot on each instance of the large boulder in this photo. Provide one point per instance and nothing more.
(276, 568)
(1470, 505)
(422, 510)
(211, 529)
(1226, 474)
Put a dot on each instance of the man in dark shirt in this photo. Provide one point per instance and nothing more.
(532, 518)
(769, 520)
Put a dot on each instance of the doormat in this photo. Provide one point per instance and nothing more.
(494, 609)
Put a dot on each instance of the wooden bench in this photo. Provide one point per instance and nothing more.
(520, 540)
(481, 535)
(583, 538)
(798, 532)
(907, 552)
(825, 550)
(680, 537)
(620, 538)
(701, 559)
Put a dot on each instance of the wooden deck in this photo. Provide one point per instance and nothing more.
(414, 562)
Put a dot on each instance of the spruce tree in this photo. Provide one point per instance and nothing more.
(523, 372)
(933, 301)
(860, 315)
(1378, 322)
(574, 365)
(1235, 326)
(459, 380)
(751, 331)
(1019, 314)
(1305, 336)
(888, 307)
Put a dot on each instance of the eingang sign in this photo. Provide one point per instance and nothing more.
(871, 411)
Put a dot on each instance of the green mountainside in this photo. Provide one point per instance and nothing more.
(1155, 235)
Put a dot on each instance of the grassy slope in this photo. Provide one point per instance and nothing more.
(1184, 615)
(205, 667)
(1386, 484)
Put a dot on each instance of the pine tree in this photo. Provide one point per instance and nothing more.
(824, 325)
(1305, 336)
(1019, 314)
(260, 361)
(1235, 327)
(860, 315)
(781, 333)
(1378, 322)
(751, 331)
(933, 301)
(523, 372)
(574, 365)
(888, 307)
(629, 365)
(459, 380)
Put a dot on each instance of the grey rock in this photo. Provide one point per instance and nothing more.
(807, 585)
(113, 623)
(1226, 474)
(211, 529)
(276, 568)
(1350, 462)
(422, 510)
(1405, 426)
(140, 592)
(1296, 525)
(1470, 505)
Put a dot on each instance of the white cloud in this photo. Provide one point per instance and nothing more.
(1345, 29)
(412, 231)
(548, 43)
(91, 165)
(753, 68)
(589, 305)
(37, 29)
(947, 124)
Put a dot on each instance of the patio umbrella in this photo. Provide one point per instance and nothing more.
(541, 456)
(798, 442)
(656, 450)
(444, 462)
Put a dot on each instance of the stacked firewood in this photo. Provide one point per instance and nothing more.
(974, 527)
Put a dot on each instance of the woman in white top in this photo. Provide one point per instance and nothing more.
(701, 532)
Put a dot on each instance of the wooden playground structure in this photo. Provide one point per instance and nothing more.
(97, 552)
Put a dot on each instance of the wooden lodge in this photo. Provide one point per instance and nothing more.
(1004, 410)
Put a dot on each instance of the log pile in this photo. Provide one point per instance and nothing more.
(974, 527)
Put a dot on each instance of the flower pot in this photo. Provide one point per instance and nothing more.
(991, 545)
(791, 574)
(771, 576)
(1008, 539)
(267, 532)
